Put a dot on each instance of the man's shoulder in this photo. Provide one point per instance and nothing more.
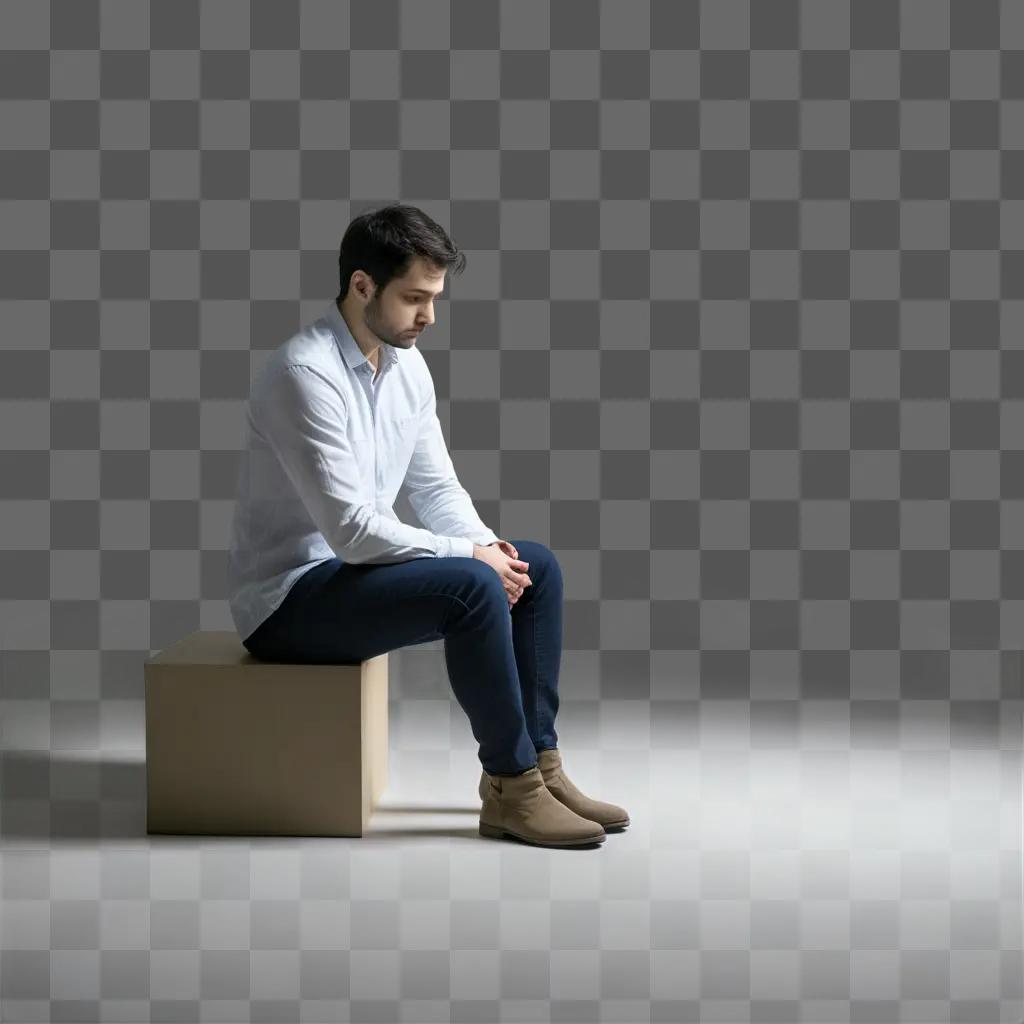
(313, 349)
(313, 345)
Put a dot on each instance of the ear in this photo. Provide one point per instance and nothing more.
(364, 284)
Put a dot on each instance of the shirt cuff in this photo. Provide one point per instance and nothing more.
(457, 546)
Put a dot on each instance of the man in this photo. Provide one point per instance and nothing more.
(320, 568)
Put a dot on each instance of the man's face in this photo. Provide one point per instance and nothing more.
(399, 313)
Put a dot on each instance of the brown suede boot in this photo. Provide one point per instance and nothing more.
(561, 787)
(521, 806)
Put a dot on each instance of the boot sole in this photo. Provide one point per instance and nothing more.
(493, 832)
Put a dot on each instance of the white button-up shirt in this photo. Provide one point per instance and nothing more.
(329, 443)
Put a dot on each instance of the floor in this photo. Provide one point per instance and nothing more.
(791, 858)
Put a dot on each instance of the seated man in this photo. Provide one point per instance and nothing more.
(320, 568)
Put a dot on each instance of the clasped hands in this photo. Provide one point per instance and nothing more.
(514, 578)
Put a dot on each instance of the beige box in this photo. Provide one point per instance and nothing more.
(239, 746)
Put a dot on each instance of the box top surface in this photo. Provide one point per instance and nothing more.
(205, 647)
(221, 647)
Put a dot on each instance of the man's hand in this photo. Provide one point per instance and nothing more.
(510, 550)
(504, 559)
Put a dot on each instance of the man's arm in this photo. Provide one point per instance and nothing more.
(303, 417)
(441, 502)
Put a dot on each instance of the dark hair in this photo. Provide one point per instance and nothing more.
(382, 243)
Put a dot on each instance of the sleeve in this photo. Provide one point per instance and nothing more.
(433, 487)
(303, 419)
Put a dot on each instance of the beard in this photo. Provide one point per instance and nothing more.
(387, 334)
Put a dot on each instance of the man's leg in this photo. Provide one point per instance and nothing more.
(342, 613)
(537, 639)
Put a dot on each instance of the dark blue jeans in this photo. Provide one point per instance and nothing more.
(502, 662)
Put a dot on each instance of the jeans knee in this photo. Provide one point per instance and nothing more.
(479, 583)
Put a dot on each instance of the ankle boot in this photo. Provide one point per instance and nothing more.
(521, 806)
(549, 762)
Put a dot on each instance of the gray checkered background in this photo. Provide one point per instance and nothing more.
(740, 337)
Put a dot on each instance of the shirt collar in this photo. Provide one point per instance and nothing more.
(350, 350)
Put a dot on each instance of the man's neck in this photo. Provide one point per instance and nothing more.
(374, 355)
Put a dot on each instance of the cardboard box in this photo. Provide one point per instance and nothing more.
(238, 746)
